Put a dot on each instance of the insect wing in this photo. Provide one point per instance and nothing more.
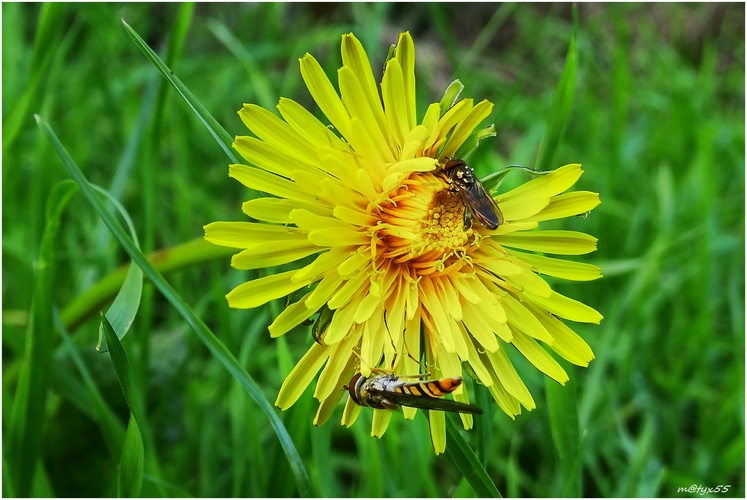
(481, 204)
(429, 403)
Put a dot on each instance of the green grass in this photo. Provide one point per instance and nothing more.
(657, 121)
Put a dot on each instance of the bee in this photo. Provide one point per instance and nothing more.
(389, 392)
(476, 200)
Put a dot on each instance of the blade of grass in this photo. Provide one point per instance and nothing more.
(215, 129)
(561, 103)
(28, 412)
(561, 404)
(467, 463)
(193, 252)
(216, 347)
(111, 429)
(132, 461)
(123, 310)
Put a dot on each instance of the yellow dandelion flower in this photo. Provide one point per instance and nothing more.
(366, 203)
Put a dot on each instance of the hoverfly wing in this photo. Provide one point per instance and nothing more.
(482, 206)
(429, 403)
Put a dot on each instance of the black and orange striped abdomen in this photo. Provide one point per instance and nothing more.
(430, 388)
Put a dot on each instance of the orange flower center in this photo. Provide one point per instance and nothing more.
(422, 226)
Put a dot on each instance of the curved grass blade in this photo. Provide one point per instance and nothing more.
(215, 129)
(27, 415)
(123, 310)
(165, 260)
(467, 463)
(216, 347)
(132, 461)
(561, 103)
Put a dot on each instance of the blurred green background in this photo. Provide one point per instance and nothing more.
(657, 121)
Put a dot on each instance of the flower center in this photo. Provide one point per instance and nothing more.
(422, 226)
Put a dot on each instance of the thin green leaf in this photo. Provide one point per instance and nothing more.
(131, 465)
(28, 412)
(215, 129)
(111, 429)
(561, 404)
(91, 301)
(451, 95)
(467, 463)
(561, 103)
(123, 310)
(216, 347)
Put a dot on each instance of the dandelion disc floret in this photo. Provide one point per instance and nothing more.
(361, 214)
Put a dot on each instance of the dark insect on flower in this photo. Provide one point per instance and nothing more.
(477, 201)
(389, 392)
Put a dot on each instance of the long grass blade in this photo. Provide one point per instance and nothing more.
(111, 429)
(216, 347)
(215, 129)
(123, 310)
(561, 103)
(561, 403)
(467, 463)
(132, 461)
(28, 412)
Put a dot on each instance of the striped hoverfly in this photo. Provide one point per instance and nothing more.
(477, 201)
(389, 392)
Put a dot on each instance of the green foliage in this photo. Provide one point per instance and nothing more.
(657, 119)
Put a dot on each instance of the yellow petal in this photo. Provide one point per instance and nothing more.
(550, 184)
(306, 124)
(372, 341)
(552, 241)
(354, 99)
(567, 205)
(310, 221)
(478, 327)
(324, 94)
(245, 234)
(350, 413)
(520, 317)
(559, 268)
(475, 362)
(292, 316)
(322, 265)
(437, 422)
(566, 307)
(329, 405)
(405, 54)
(354, 217)
(466, 126)
(267, 255)
(527, 281)
(518, 209)
(339, 358)
(539, 357)
(337, 237)
(567, 342)
(510, 379)
(273, 158)
(274, 131)
(350, 289)
(266, 182)
(380, 422)
(301, 376)
(393, 92)
(354, 57)
(277, 210)
(323, 291)
(342, 322)
(256, 292)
